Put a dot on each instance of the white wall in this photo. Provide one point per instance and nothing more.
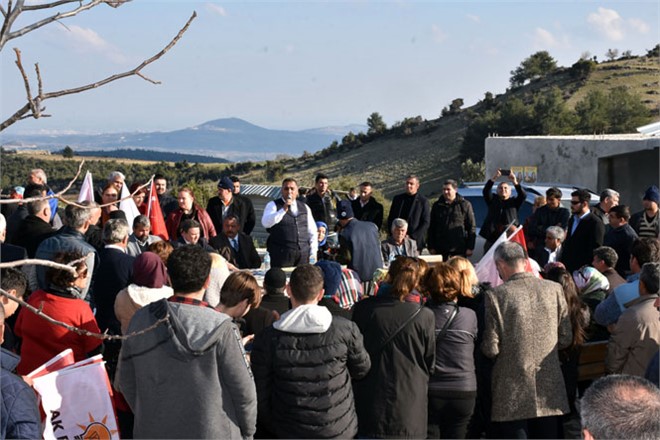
(562, 159)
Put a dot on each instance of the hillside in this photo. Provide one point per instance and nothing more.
(433, 149)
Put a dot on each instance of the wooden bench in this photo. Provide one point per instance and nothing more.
(592, 360)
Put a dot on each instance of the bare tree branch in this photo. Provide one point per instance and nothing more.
(48, 5)
(5, 37)
(52, 196)
(27, 110)
(81, 331)
(35, 261)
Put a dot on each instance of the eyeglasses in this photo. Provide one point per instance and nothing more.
(573, 202)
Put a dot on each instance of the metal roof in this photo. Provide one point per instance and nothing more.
(650, 129)
(268, 191)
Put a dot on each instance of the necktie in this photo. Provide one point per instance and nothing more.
(234, 244)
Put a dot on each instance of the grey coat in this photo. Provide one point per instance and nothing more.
(189, 377)
(526, 322)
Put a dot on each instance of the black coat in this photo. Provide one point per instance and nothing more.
(578, 247)
(324, 209)
(545, 217)
(304, 380)
(240, 206)
(418, 216)
(31, 233)
(500, 212)
(453, 228)
(621, 240)
(371, 212)
(391, 402)
(9, 253)
(114, 274)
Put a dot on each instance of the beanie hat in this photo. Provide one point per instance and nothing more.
(344, 210)
(652, 194)
(275, 278)
(331, 276)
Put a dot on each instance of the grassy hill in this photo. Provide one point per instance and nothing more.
(433, 149)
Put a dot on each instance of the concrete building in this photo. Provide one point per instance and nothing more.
(628, 163)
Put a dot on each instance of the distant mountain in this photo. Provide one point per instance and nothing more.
(232, 138)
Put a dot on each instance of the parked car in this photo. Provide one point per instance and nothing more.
(472, 191)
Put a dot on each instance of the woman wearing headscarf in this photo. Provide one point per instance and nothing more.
(322, 230)
(62, 301)
(592, 287)
(391, 401)
(150, 283)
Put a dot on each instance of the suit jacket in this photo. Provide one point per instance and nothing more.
(202, 242)
(371, 212)
(526, 323)
(240, 206)
(579, 246)
(247, 256)
(114, 274)
(418, 217)
(387, 248)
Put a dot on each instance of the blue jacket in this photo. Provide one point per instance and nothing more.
(65, 240)
(611, 308)
(19, 414)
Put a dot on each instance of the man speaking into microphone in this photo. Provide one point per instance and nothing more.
(292, 238)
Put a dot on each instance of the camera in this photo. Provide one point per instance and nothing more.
(505, 172)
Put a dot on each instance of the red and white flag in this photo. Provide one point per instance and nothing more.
(155, 215)
(486, 269)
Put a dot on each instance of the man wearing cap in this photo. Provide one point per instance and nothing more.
(236, 246)
(293, 237)
(647, 222)
(359, 243)
(225, 203)
(274, 285)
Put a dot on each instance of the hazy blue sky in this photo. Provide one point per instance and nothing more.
(297, 65)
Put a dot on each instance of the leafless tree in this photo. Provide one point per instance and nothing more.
(61, 9)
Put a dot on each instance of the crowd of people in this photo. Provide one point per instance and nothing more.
(340, 334)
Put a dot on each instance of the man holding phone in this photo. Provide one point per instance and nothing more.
(502, 209)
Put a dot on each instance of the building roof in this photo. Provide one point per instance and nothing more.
(267, 191)
(650, 129)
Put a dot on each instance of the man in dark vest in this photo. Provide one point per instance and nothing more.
(293, 236)
(359, 243)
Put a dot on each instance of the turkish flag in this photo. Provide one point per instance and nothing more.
(155, 215)
(519, 237)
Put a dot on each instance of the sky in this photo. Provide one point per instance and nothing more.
(301, 64)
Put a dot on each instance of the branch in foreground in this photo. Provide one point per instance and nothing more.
(81, 331)
(68, 267)
(27, 109)
(52, 196)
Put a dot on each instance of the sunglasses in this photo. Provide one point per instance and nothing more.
(573, 202)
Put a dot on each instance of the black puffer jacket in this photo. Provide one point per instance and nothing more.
(304, 378)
